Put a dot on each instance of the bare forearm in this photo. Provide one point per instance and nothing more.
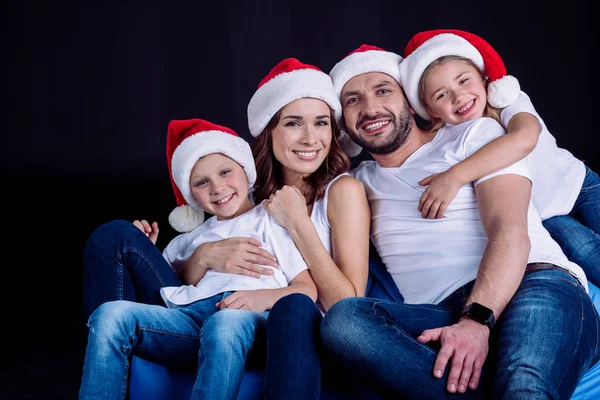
(194, 269)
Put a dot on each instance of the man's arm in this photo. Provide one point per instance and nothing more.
(503, 203)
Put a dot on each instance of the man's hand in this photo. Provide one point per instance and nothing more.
(466, 343)
(253, 300)
(151, 231)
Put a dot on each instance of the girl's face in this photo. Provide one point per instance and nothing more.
(220, 186)
(302, 137)
(455, 92)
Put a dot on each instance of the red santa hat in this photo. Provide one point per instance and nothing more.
(365, 59)
(187, 141)
(288, 81)
(426, 47)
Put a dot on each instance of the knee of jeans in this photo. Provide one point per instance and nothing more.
(112, 318)
(229, 327)
(292, 305)
(336, 323)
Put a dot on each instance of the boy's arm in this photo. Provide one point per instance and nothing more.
(263, 299)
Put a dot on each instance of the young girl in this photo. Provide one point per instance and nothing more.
(444, 77)
(215, 322)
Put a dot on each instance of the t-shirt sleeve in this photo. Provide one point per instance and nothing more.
(481, 133)
(521, 104)
(288, 256)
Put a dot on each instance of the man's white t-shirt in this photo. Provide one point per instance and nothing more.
(430, 258)
(557, 175)
(256, 223)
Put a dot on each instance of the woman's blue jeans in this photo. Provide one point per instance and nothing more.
(541, 346)
(578, 233)
(217, 341)
(121, 263)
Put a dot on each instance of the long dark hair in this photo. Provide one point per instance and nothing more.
(269, 172)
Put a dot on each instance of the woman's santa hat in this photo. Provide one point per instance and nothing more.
(426, 47)
(288, 81)
(189, 140)
(365, 59)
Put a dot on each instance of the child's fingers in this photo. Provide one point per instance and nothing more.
(422, 200)
(426, 181)
(442, 210)
(433, 210)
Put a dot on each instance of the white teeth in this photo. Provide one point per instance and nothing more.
(466, 107)
(306, 153)
(376, 125)
(224, 200)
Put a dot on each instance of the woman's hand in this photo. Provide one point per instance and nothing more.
(151, 231)
(287, 206)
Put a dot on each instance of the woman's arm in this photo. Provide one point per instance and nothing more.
(242, 256)
(520, 139)
(349, 216)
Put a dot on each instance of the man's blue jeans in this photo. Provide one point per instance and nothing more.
(218, 341)
(541, 346)
(578, 233)
(121, 263)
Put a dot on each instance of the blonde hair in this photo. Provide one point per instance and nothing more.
(437, 123)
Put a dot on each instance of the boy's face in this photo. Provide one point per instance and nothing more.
(220, 186)
(455, 92)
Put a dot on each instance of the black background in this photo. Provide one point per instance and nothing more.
(89, 88)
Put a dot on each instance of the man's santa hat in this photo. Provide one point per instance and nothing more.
(288, 81)
(365, 59)
(189, 140)
(426, 47)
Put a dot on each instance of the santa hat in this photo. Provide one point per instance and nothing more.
(288, 81)
(426, 47)
(361, 61)
(187, 141)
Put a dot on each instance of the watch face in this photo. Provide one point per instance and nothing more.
(481, 314)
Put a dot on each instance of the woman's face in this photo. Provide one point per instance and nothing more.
(302, 137)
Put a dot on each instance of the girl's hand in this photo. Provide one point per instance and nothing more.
(287, 206)
(253, 300)
(151, 231)
(441, 190)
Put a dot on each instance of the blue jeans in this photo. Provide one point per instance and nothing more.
(218, 342)
(543, 343)
(121, 263)
(578, 233)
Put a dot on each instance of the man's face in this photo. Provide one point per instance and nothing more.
(376, 113)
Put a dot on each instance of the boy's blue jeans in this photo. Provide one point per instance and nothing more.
(578, 233)
(541, 346)
(217, 340)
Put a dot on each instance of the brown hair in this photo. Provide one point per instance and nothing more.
(437, 123)
(269, 173)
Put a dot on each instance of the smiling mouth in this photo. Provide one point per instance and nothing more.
(224, 200)
(464, 109)
(375, 127)
(307, 155)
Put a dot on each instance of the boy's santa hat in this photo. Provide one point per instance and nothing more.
(288, 81)
(365, 59)
(189, 140)
(426, 47)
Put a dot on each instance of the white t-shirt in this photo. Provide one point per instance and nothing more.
(557, 175)
(256, 223)
(430, 258)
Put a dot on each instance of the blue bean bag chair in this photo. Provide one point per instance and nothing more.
(150, 381)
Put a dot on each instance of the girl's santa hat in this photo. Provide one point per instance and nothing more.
(426, 47)
(288, 81)
(365, 59)
(188, 141)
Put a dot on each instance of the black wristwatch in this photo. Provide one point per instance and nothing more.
(479, 313)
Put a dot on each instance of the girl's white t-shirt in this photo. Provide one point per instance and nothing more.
(557, 175)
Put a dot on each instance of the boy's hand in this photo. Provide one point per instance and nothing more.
(253, 300)
(441, 190)
(151, 231)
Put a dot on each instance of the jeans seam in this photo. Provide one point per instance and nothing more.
(427, 348)
(150, 265)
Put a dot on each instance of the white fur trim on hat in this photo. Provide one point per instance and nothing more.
(503, 92)
(349, 146)
(185, 218)
(363, 62)
(208, 142)
(413, 66)
(286, 88)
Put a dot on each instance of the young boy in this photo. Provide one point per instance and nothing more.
(217, 320)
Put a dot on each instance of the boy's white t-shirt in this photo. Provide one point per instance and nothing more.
(557, 175)
(256, 223)
(430, 258)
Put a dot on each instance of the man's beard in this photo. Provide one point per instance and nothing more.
(402, 125)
